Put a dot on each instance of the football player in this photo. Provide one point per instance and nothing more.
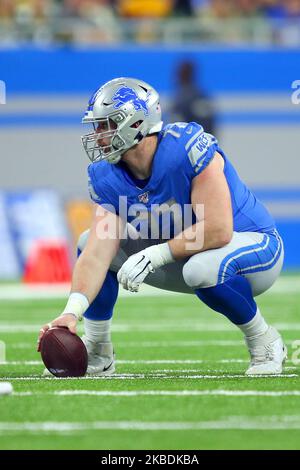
(141, 172)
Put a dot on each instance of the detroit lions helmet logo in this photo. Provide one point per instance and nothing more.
(125, 95)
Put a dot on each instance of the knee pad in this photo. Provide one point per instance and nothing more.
(199, 272)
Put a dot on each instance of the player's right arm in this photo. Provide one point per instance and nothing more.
(101, 247)
(91, 268)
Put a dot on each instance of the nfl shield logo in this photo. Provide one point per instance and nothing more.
(144, 198)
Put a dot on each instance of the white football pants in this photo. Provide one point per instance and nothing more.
(257, 256)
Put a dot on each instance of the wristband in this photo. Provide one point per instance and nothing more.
(77, 304)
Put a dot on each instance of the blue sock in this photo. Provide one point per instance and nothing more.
(102, 307)
(233, 299)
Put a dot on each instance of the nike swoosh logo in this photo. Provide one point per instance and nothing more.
(106, 368)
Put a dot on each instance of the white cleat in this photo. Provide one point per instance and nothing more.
(268, 353)
(101, 358)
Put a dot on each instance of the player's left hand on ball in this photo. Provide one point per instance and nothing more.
(69, 320)
(134, 271)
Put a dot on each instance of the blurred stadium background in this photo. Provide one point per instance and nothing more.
(234, 66)
(240, 57)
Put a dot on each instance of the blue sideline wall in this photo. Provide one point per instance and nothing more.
(70, 70)
(258, 125)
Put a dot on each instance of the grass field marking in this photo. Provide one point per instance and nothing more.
(152, 376)
(151, 327)
(21, 345)
(134, 327)
(232, 422)
(153, 344)
(176, 344)
(21, 363)
(183, 361)
(141, 362)
(176, 393)
(296, 352)
(161, 344)
(158, 362)
(2, 352)
(284, 285)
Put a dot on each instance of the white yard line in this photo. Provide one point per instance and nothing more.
(14, 327)
(232, 422)
(146, 362)
(222, 361)
(21, 345)
(161, 344)
(285, 284)
(156, 344)
(154, 375)
(178, 344)
(21, 363)
(175, 393)
(134, 327)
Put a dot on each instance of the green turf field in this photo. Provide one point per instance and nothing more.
(179, 382)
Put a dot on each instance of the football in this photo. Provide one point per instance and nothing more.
(63, 353)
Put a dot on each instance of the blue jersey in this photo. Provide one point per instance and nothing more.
(184, 150)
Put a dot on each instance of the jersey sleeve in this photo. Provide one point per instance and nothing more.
(100, 193)
(199, 149)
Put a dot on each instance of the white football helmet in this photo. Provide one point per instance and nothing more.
(123, 111)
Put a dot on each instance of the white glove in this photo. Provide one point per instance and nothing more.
(138, 266)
